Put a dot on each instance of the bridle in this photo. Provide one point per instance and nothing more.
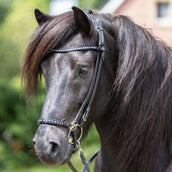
(84, 110)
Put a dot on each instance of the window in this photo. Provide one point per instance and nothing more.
(163, 9)
(163, 17)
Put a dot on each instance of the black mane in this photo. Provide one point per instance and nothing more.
(141, 99)
(49, 35)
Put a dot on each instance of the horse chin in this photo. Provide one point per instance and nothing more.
(59, 159)
(55, 162)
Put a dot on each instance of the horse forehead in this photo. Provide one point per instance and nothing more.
(64, 62)
(72, 59)
(74, 41)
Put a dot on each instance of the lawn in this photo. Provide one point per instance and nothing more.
(42, 168)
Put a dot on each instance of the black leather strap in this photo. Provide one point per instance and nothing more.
(90, 161)
(54, 122)
(71, 166)
(84, 48)
(84, 161)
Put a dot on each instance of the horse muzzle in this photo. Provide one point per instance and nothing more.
(51, 145)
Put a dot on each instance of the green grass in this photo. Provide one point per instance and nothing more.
(43, 168)
(39, 169)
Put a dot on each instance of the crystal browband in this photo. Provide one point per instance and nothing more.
(54, 122)
(84, 48)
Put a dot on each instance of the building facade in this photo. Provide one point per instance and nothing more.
(155, 15)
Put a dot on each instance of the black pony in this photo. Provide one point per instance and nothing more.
(132, 108)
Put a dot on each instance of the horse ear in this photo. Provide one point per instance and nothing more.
(41, 17)
(82, 20)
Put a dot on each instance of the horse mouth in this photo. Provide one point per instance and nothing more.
(55, 156)
(55, 160)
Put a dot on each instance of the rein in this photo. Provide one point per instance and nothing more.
(84, 110)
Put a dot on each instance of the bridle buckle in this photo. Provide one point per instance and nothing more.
(72, 130)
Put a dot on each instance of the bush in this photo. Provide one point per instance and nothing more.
(17, 128)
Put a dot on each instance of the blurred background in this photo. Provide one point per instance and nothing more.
(17, 123)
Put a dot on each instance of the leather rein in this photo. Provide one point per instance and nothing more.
(84, 110)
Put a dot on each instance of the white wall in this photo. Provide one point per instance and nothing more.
(61, 6)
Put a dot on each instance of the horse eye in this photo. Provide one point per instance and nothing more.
(83, 70)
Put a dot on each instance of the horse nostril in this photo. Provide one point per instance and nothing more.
(54, 149)
(33, 141)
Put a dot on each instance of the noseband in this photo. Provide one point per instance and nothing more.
(84, 110)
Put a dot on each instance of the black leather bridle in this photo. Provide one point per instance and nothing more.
(84, 110)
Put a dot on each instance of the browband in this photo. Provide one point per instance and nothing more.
(84, 48)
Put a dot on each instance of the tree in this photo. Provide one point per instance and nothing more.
(4, 9)
(16, 27)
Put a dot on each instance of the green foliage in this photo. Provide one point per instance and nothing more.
(4, 9)
(17, 126)
(92, 4)
(15, 30)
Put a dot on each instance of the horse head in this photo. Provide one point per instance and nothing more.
(70, 74)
